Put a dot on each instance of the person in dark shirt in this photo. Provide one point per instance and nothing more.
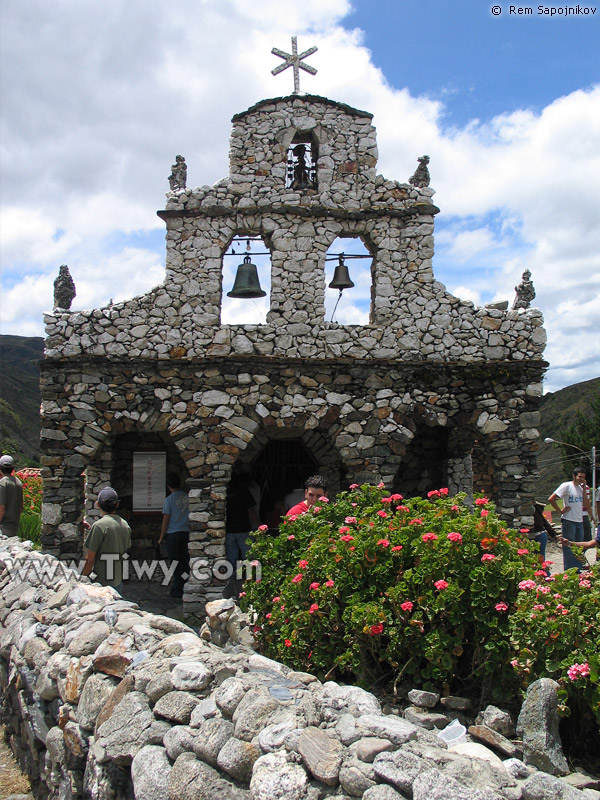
(241, 519)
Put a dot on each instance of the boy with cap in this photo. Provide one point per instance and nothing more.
(11, 497)
(108, 540)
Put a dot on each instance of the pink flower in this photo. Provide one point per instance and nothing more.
(276, 599)
(386, 499)
(263, 527)
(433, 493)
(353, 505)
(292, 517)
(376, 629)
(329, 583)
(398, 547)
(523, 552)
(578, 671)
(323, 499)
(514, 663)
(350, 520)
(314, 585)
(481, 501)
(488, 557)
(316, 509)
(415, 521)
(347, 537)
(484, 513)
(287, 643)
(396, 497)
(501, 607)
(444, 491)
(441, 585)
(539, 607)
(543, 589)
(384, 542)
(453, 508)
(454, 537)
(406, 606)
(380, 485)
(539, 572)
(242, 594)
(354, 485)
(402, 508)
(268, 616)
(313, 608)
(429, 537)
(523, 530)
(303, 563)
(526, 585)
(585, 584)
(291, 537)
(381, 513)
(344, 529)
(297, 578)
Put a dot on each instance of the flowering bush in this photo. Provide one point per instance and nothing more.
(555, 630)
(30, 525)
(375, 587)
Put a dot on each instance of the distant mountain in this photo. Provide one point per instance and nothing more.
(20, 358)
(20, 404)
(557, 413)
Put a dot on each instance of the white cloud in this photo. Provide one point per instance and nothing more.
(98, 97)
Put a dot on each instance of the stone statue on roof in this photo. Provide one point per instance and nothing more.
(421, 177)
(178, 176)
(525, 291)
(64, 289)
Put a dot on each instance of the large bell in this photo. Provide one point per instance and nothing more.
(246, 283)
(341, 277)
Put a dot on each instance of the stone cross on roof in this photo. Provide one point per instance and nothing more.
(294, 60)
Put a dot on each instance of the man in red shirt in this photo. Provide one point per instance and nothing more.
(314, 487)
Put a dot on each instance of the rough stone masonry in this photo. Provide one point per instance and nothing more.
(102, 700)
(432, 391)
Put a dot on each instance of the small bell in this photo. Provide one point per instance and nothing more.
(341, 276)
(246, 284)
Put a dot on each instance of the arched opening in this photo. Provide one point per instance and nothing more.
(302, 155)
(484, 473)
(423, 466)
(240, 280)
(351, 306)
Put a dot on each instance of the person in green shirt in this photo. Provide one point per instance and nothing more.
(107, 542)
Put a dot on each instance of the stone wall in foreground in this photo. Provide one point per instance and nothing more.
(104, 701)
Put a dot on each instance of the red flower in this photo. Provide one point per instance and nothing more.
(396, 548)
(481, 501)
(429, 537)
(347, 538)
(501, 607)
(382, 513)
(415, 522)
(313, 608)
(303, 563)
(377, 629)
(297, 578)
(287, 643)
(329, 583)
(384, 542)
(441, 585)
(488, 557)
(406, 606)
(314, 586)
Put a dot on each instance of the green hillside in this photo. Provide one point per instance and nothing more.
(20, 358)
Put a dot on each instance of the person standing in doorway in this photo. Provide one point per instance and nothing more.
(11, 497)
(574, 496)
(175, 532)
(314, 487)
(107, 542)
(241, 519)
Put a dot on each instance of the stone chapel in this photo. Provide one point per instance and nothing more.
(432, 392)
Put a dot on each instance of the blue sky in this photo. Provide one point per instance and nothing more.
(98, 97)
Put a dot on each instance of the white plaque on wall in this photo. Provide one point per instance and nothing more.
(149, 481)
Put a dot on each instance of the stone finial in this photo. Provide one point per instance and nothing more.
(421, 176)
(178, 176)
(525, 291)
(64, 289)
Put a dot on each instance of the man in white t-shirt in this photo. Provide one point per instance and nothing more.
(575, 500)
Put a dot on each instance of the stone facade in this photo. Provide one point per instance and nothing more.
(433, 391)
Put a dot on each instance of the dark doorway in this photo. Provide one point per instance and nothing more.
(281, 467)
(423, 467)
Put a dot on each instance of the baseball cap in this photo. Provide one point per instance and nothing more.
(108, 495)
(7, 461)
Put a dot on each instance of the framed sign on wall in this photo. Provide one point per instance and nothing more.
(149, 480)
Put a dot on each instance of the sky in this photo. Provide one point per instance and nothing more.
(98, 96)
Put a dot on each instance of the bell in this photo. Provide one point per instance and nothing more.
(246, 285)
(341, 277)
